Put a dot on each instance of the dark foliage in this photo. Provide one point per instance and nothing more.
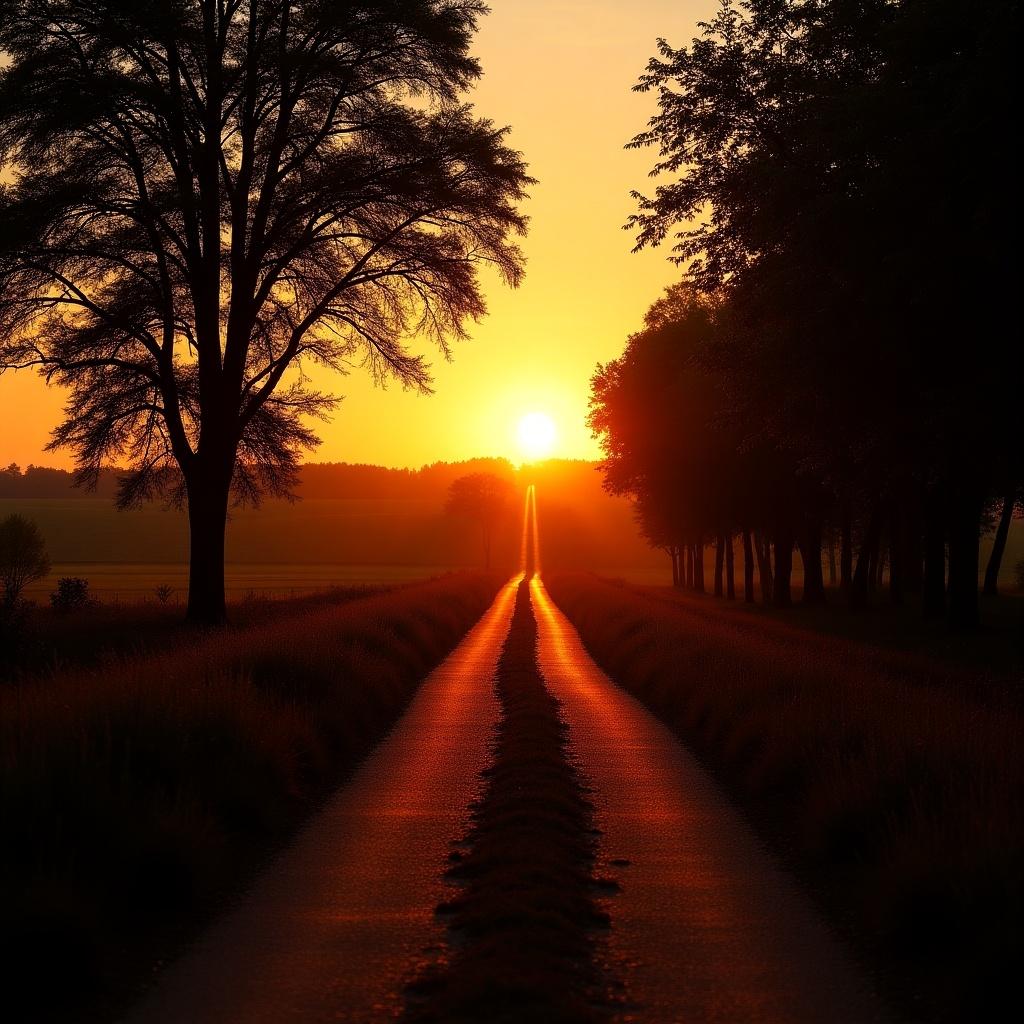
(208, 198)
(835, 183)
(71, 595)
(23, 558)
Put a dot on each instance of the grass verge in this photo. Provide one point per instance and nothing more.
(985, 666)
(522, 925)
(134, 798)
(899, 805)
(98, 636)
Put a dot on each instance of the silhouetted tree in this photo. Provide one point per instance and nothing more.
(23, 558)
(821, 163)
(208, 198)
(995, 559)
(71, 595)
(483, 498)
(655, 411)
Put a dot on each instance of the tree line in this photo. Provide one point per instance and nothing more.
(838, 369)
(313, 480)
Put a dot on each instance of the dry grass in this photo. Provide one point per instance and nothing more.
(898, 804)
(134, 796)
(52, 642)
(986, 665)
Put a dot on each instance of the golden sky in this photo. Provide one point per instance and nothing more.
(559, 72)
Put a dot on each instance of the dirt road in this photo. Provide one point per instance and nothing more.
(335, 927)
(706, 928)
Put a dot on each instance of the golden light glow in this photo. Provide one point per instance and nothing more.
(536, 434)
(584, 290)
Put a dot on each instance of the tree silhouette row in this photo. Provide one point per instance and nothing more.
(839, 363)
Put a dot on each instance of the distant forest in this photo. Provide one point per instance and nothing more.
(316, 480)
(352, 514)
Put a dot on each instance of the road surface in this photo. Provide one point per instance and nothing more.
(345, 917)
(706, 928)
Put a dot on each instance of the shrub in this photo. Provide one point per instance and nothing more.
(17, 638)
(71, 595)
(22, 557)
(163, 593)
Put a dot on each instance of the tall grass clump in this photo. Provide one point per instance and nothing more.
(898, 804)
(135, 796)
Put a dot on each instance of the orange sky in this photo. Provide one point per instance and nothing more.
(559, 72)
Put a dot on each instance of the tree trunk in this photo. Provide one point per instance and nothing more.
(719, 562)
(673, 553)
(831, 560)
(999, 545)
(935, 557)
(698, 564)
(764, 566)
(897, 553)
(964, 551)
(868, 554)
(810, 555)
(913, 548)
(730, 570)
(748, 568)
(207, 521)
(846, 550)
(688, 567)
(874, 559)
(782, 595)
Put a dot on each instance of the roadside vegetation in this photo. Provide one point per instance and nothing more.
(51, 640)
(984, 666)
(136, 796)
(896, 803)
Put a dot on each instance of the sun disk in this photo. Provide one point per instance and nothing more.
(536, 435)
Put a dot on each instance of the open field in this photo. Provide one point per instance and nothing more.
(285, 549)
(49, 642)
(136, 795)
(131, 582)
(897, 803)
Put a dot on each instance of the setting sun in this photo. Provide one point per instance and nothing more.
(536, 435)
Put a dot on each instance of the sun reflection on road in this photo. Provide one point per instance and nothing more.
(705, 928)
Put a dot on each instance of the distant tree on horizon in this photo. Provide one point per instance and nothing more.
(206, 198)
(483, 498)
